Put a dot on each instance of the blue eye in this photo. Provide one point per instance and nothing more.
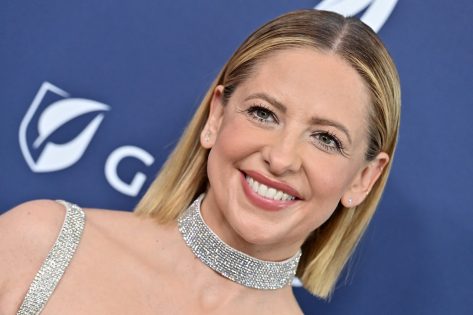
(262, 114)
(328, 141)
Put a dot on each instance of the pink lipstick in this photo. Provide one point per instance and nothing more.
(263, 202)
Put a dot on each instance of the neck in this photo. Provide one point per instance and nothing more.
(212, 292)
(216, 294)
(229, 262)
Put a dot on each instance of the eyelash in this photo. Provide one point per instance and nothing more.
(338, 144)
(252, 113)
(253, 110)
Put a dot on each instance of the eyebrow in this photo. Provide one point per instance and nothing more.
(313, 120)
(329, 122)
(268, 99)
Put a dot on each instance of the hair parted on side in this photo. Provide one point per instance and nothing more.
(184, 175)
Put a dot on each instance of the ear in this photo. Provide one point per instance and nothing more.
(209, 134)
(364, 181)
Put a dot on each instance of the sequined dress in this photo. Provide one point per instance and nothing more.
(56, 262)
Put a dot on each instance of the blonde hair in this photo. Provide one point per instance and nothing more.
(184, 175)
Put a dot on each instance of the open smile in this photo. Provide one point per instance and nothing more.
(267, 194)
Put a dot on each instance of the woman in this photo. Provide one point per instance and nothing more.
(288, 154)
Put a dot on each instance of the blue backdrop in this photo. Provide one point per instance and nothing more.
(95, 93)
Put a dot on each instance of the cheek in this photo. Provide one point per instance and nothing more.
(235, 140)
(329, 177)
(231, 146)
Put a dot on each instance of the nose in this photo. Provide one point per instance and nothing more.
(282, 155)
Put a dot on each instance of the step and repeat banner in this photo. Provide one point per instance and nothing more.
(95, 94)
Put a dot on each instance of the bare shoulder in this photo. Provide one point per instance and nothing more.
(27, 228)
(32, 227)
(30, 224)
(27, 232)
(37, 209)
(32, 218)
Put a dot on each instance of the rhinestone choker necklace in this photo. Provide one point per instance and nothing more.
(229, 262)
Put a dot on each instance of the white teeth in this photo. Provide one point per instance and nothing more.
(270, 193)
(262, 189)
(267, 192)
(278, 195)
(254, 185)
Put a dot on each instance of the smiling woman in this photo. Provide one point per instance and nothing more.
(293, 144)
(296, 147)
(278, 174)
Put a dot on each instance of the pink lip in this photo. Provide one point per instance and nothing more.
(264, 203)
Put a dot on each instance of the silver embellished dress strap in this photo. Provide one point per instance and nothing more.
(56, 262)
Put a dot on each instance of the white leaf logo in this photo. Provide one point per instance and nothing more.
(375, 16)
(55, 156)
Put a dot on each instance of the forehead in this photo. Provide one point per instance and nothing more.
(307, 70)
(315, 82)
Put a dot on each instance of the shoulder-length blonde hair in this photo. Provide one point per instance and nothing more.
(184, 175)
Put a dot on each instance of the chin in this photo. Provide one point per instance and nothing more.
(260, 233)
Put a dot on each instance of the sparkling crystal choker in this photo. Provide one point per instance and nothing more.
(229, 262)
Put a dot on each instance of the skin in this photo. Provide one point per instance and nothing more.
(285, 145)
(146, 268)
